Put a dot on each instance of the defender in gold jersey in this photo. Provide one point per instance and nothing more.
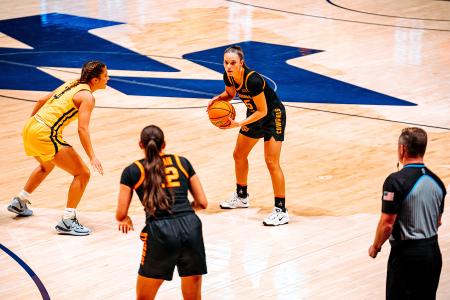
(42, 139)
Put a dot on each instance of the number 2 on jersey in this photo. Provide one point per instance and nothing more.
(172, 177)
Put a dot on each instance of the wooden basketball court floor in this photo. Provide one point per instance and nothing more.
(335, 156)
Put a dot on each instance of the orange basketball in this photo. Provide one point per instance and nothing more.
(219, 111)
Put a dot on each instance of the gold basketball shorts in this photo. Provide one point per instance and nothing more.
(41, 140)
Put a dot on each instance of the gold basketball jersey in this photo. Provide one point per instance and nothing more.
(59, 111)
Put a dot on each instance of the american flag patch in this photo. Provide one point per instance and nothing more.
(388, 196)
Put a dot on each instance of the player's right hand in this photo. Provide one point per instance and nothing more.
(214, 99)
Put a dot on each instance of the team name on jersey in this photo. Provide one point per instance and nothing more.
(66, 89)
(168, 161)
(243, 96)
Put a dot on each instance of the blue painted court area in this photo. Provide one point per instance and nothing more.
(63, 41)
(37, 281)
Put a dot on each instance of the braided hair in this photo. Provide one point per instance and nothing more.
(91, 69)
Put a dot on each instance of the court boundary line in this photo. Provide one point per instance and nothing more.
(335, 19)
(367, 117)
(381, 15)
(236, 101)
(206, 94)
(34, 277)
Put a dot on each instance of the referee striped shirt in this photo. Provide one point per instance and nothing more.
(416, 195)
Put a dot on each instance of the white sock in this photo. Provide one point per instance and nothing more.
(69, 213)
(24, 195)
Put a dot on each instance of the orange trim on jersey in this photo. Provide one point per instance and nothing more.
(141, 180)
(246, 79)
(177, 159)
(240, 86)
(231, 79)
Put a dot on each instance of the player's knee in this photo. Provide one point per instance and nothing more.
(239, 156)
(46, 168)
(85, 174)
(272, 163)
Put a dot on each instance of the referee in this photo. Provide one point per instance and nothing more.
(412, 207)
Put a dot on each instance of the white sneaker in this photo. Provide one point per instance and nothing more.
(277, 217)
(71, 227)
(20, 207)
(235, 202)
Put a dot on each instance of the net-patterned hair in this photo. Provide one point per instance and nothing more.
(91, 69)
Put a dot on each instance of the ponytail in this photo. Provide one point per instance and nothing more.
(155, 196)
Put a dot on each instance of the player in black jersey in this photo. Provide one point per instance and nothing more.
(172, 235)
(266, 118)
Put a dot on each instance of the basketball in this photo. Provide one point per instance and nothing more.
(219, 111)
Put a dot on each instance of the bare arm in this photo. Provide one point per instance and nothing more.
(86, 104)
(200, 201)
(384, 230)
(226, 95)
(40, 103)
(440, 220)
(125, 195)
(261, 112)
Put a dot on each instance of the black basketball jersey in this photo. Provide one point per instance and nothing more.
(178, 172)
(252, 85)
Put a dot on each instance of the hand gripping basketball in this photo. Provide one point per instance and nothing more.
(219, 112)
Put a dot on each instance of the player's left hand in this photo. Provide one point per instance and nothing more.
(97, 165)
(233, 124)
(126, 225)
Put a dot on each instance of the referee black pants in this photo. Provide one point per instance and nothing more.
(414, 268)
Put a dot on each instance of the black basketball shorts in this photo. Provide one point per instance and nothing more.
(272, 125)
(175, 241)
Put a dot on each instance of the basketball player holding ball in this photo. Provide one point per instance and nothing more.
(266, 118)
